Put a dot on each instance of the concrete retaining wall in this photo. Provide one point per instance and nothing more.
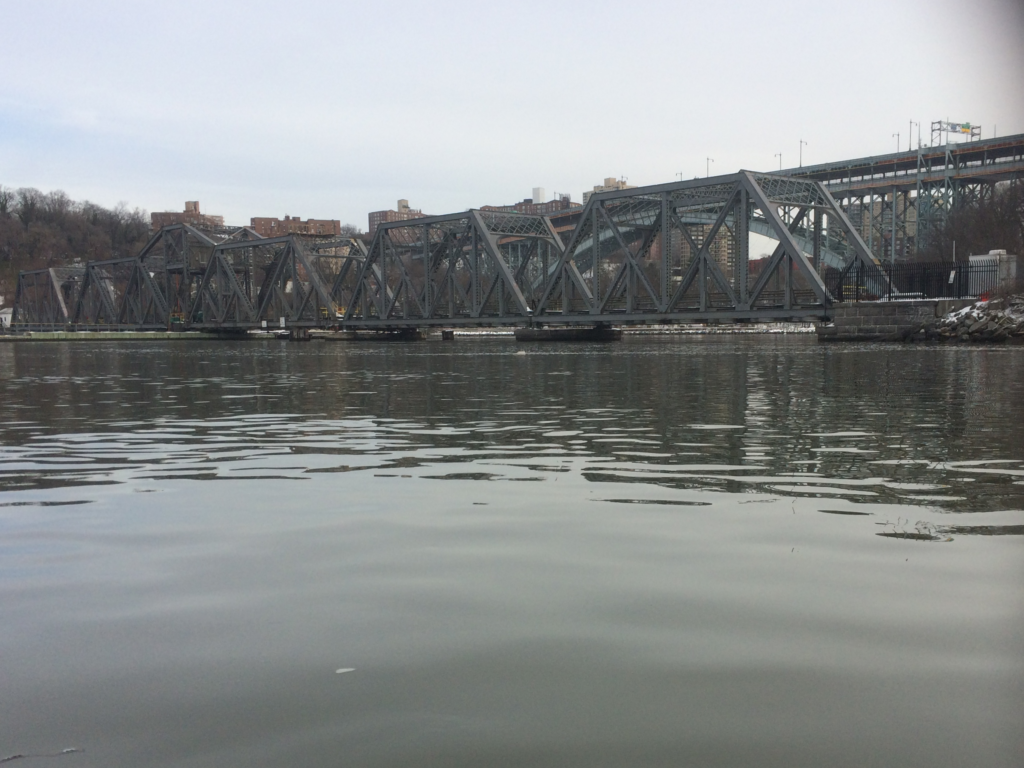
(885, 320)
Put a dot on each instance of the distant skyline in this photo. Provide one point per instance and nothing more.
(332, 110)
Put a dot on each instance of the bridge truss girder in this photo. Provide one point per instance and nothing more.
(667, 253)
(45, 298)
(681, 251)
(102, 292)
(476, 267)
(254, 282)
(184, 277)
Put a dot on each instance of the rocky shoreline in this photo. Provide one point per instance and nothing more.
(993, 321)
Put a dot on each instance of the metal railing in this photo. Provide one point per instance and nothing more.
(889, 282)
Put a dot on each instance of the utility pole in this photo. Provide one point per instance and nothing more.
(897, 141)
(911, 135)
(707, 167)
(779, 155)
(679, 175)
(802, 145)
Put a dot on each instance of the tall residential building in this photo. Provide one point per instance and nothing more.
(539, 195)
(610, 185)
(191, 216)
(294, 225)
(404, 213)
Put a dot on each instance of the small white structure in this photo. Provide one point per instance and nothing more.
(992, 270)
(5, 317)
(539, 195)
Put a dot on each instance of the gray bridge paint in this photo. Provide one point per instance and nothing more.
(667, 253)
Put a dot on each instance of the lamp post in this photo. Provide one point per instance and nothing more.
(897, 141)
(779, 155)
(911, 134)
(707, 166)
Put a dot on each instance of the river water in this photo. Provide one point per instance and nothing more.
(720, 551)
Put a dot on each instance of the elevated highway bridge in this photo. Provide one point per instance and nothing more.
(895, 199)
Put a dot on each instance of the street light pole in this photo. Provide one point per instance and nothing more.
(707, 167)
(897, 141)
(802, 145)
(779, 155)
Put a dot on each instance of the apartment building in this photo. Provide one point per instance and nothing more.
(191, 216)
(294, 225)
(403, 213)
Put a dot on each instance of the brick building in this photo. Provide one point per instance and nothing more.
(191, 216)
(560, 204)
(294, 225)
(404, 213)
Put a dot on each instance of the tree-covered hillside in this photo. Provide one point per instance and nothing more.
(47, 229)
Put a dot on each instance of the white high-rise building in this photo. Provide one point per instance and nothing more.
(539, 195)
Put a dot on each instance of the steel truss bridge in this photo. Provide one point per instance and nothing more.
(895, 200)
(187, 279)
(667, 253)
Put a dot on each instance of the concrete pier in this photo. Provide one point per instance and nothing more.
(399, 334)
(107, 336)
(591, 333)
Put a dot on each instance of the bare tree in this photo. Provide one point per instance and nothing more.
(994, 222)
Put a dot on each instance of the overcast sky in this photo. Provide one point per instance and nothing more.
(335, 109)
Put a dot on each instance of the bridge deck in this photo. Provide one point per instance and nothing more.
(986, 160)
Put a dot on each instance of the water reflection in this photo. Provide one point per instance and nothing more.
(864, 428)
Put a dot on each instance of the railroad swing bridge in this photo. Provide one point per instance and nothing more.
(676, 252)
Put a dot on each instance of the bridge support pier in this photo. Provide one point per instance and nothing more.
(885, 320)
(600, 332)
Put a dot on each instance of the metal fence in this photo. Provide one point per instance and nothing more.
(939, 280)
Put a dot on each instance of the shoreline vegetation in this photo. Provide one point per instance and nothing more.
(39, 230)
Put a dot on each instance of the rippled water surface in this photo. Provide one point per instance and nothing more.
(664, 552)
